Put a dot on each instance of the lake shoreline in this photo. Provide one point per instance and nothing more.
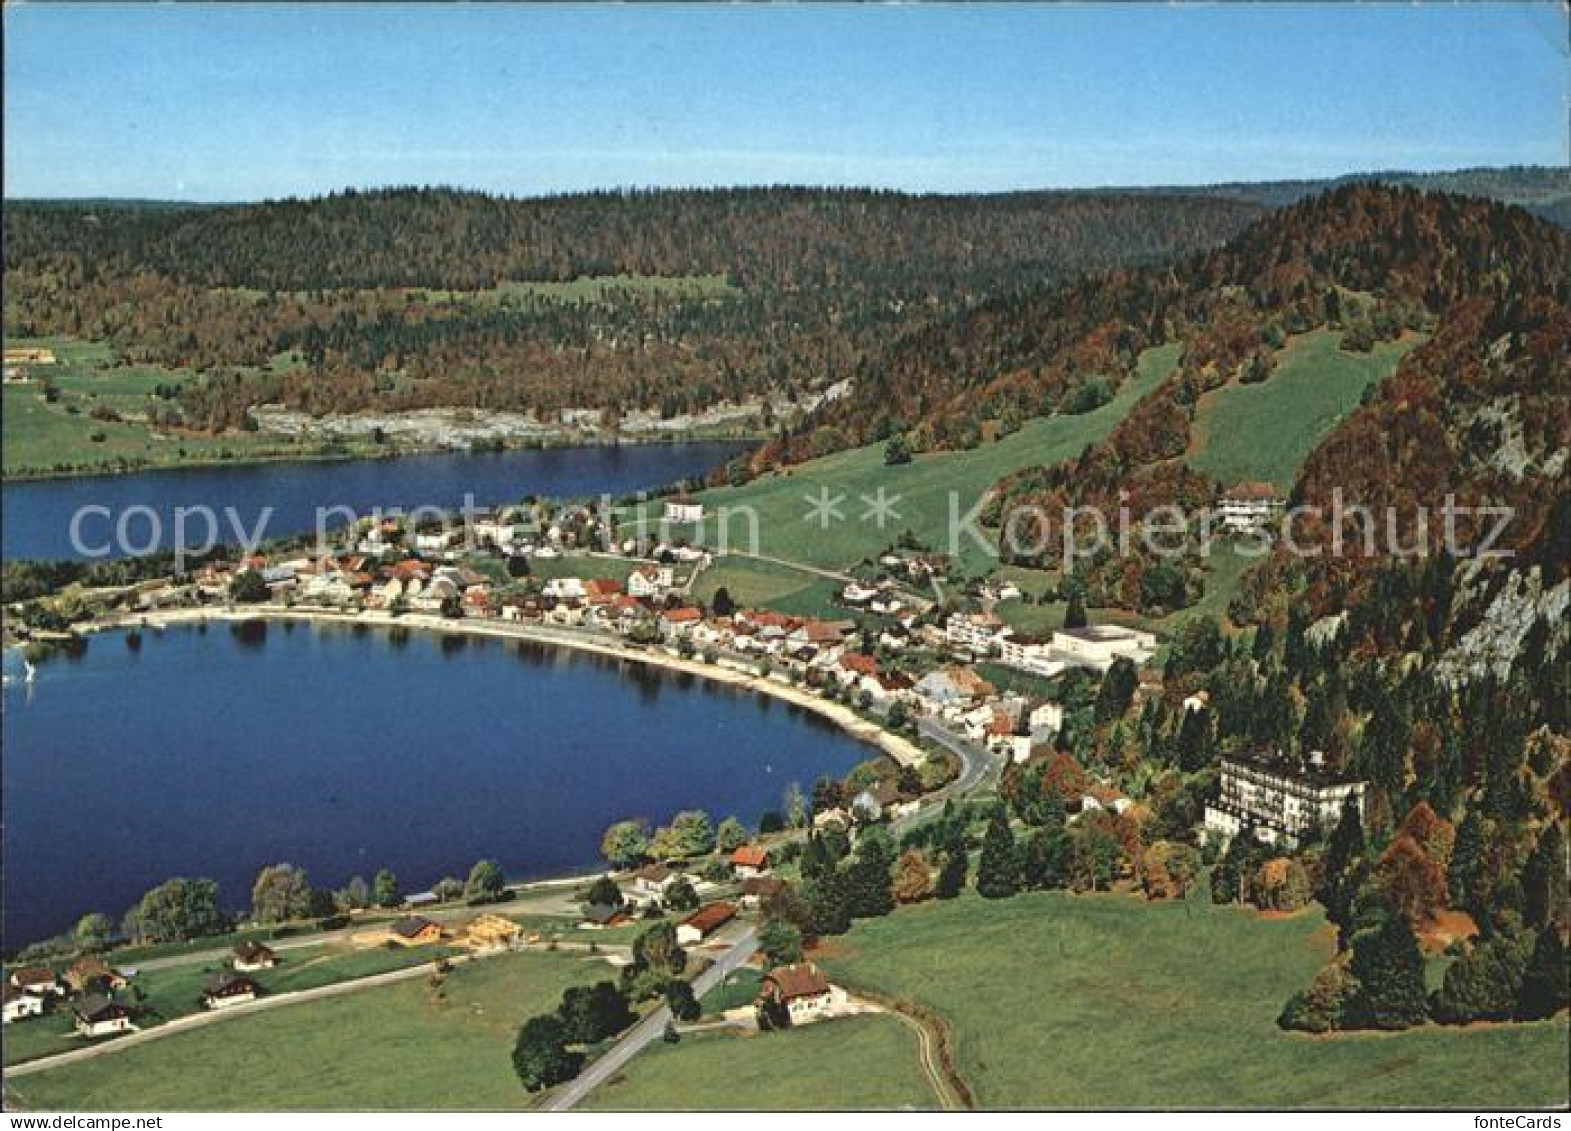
(902, 750)
(546, 442)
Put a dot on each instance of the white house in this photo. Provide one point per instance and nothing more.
(1249, 507)
(1045, 720)
(803, 991)
(226, 989)
(40, 981)
(649, 580)
(564, 588)
(651, 883)
(99, 1016)
(20, 1004)
(857, 594)
(684, 511)
(251, 956)
(1280, 797)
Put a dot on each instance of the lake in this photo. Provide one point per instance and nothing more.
(35, 519)
(346, 749)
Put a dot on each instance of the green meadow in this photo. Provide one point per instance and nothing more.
(856, 1063)
(43, 437)
(919, 492)
(409, 1046)
(175, 991)
(1068, 1001)
(754, 583)
(1265, 431)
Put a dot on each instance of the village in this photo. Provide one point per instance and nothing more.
(903, 666)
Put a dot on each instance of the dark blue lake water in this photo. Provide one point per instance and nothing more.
(343, 751)
(36, 517)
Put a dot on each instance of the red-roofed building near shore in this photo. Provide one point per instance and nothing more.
(1249, 506)
(750, 860)
(704, 922)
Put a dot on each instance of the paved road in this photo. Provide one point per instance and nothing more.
(975, 763)
(651, 1028)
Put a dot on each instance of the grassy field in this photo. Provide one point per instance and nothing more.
(596, 288)
(401, 1047)
(1265, 431)
(175, 991)
(1088, 1002)
(853, 1063)
(40, 437)
(757, 583)
(924, 485)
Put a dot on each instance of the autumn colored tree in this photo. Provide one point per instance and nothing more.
(1067, 778)
(1168, 869)
(1412, 879)
(1434, 834)
(1281, 884)
(913, 877)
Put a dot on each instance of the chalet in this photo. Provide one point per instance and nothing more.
(1280, 798)
(704, 922)
(415, 930)
(802, 991)
(1097, 646)
(652, 882)
(684, 511)
(757, 889)
(750, 860)
(96, 1015)
(598, 915)
(1249, 507)
(249, 957)
(38, 980)
(1199, 701)
(857, 595)
(93, 974)
(20, 1003)
(421, 899)
(226, 989)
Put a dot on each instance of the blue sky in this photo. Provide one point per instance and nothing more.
(232, 103)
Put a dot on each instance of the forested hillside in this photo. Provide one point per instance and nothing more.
(415, 298)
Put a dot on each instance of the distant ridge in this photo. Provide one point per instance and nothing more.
(1542, 189)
